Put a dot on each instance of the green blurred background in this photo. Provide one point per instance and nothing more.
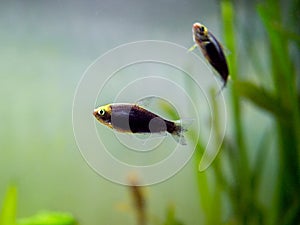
(47, 45)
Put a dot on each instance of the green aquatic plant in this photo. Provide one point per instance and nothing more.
(48, 218)
(232, 176)
(284, 74)
(171, 217)
(9, 208)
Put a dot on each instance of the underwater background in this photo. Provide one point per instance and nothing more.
(46, 46)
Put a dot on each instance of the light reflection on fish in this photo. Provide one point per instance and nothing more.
(132, 118)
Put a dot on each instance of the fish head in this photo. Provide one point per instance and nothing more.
(103, 114)
(200, 32)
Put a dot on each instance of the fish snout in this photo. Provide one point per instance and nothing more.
(95, 112)
(196, 26)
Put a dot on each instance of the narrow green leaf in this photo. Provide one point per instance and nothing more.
(260, 160)
(288, 34)
(229, 35)
(241, 179)
(8, 213)
(283, 71)
(263, 99)
(228, 16)
(171, 218)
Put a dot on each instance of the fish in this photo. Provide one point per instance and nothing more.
(132, 118)
(211, 49)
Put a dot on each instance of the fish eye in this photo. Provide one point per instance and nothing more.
(101, 112)
(201, 29)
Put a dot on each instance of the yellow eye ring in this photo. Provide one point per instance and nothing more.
(101, 112)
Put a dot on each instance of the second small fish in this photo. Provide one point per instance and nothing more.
(132, 118)
(211, 49)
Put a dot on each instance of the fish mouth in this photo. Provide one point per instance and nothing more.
(197, 35)
(196, 26)
(95, 113)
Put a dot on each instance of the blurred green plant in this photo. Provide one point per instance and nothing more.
(241, 185)
(48, 218)
(9, 208)
(171, 218)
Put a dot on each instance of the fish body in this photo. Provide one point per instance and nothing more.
(132, 118)
(211, 49)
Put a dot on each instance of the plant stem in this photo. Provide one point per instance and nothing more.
(242, 195)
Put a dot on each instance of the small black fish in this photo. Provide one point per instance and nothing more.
(211, 49)
(132, 118)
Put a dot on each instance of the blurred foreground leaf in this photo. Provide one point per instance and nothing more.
(48, 218)
(8, 213)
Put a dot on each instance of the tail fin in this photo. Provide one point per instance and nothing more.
(221, 89)
(223, 86)
(181, 128)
